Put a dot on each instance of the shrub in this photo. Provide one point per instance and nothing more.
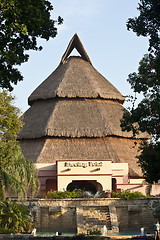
(127, 195)
(94, 232)
(63, 194)
(14, 218)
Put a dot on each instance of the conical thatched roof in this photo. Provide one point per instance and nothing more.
(75, 114)
(75, 77)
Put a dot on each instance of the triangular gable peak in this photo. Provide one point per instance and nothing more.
(75, 43)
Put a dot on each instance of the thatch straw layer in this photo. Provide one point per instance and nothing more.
(120, 150)
(76, 78)
(74, 118)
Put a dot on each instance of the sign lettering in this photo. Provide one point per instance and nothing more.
(83, 164)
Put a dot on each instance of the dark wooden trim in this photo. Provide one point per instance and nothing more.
(87, 175)
(139, 184)
(84, 160)
(117, 175)
(48, 177)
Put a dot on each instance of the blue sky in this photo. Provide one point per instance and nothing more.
(101, 26)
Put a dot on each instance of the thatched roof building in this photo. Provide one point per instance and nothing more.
(75, 114)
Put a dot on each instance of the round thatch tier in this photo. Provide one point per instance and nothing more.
(74, 118)
(49, 150)
(75, 78)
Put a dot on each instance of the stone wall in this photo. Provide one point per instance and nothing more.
(71, 215)
(57, 219)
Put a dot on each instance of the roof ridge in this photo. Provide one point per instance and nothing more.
(75, 43)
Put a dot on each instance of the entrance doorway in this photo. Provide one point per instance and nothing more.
(114, 185)
(84, 185)
(51, 184)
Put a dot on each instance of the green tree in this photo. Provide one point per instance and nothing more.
(17, 174)
(10, 125)
(14, 218)
(147, 82)
(21, 24)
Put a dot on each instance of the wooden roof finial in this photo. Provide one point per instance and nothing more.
(75, 43)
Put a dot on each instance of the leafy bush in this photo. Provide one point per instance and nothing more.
(127, 195)
(78, 193)
(94, 232)
(63, 194)
(14, 218)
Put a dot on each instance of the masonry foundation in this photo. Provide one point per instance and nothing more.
(82, 215)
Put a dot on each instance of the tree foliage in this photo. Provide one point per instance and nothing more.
(14, 218)
(17, 174)
(147, 82)
(147, 24)
(150, 161)
(21, 24)
(10, 125)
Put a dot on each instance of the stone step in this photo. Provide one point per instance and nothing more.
(98, 210)
(98, 227)
(95, 217)
(102, 208)
(95, 220)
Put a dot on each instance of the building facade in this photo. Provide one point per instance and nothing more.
(96, 175)
(72, 130)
